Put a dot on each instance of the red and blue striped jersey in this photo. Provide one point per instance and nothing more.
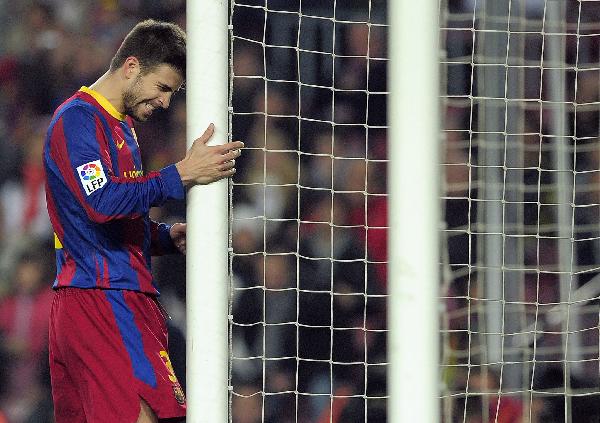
(99, 199)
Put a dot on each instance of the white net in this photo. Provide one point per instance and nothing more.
(520, 328)
(308, 217)
(520, 322)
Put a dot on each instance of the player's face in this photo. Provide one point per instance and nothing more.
(151, 91)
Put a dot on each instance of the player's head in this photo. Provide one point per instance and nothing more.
(152, 58)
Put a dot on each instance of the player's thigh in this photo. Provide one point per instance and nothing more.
(146, 414)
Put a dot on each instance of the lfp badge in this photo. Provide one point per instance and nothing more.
(92, 176)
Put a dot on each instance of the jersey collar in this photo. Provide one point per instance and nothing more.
(106, 105)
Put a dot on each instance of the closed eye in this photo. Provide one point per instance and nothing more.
(165, 88)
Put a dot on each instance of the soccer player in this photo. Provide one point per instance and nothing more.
(109, 359)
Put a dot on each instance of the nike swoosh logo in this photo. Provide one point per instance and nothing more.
(120, 144)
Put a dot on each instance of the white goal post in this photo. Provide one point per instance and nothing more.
(207, 296)
(414, 190)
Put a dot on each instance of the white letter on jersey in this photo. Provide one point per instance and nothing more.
(92, 176)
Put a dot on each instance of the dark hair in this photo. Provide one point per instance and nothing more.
(153, 43)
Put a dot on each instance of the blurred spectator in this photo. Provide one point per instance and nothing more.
(24, 315)
(247, 405)
(23, 197)
(551, 408)
(485, 404)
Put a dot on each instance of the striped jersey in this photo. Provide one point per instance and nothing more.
(99, 199)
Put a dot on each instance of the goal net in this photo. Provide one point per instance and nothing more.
(308, 218)
(520, 222)
(520, 286)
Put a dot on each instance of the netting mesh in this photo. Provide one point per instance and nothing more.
(520, 337)
(521, 162)
(308, 302)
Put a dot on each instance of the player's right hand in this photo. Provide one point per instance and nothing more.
(205, 163)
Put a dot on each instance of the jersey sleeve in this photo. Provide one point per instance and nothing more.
(161, 241)
(82, 157)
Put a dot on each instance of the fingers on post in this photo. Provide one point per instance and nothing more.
(231, 146)
(231, 155)
(208, 132)
(228, 165)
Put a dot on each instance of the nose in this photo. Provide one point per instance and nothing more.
(165, 100)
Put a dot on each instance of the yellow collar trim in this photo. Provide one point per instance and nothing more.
(104, 103)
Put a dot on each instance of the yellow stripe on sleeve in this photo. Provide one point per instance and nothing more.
(57, 243)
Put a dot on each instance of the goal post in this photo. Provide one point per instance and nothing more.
(414, 189)
(207, 264)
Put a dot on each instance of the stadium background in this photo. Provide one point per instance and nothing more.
(48, 50)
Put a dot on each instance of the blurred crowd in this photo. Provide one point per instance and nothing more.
(521, 98)
(308, 278)
(309, 210)
(48, 50)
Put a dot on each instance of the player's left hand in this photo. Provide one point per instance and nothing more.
(178, 231)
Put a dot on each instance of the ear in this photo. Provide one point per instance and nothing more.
(131, 67)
